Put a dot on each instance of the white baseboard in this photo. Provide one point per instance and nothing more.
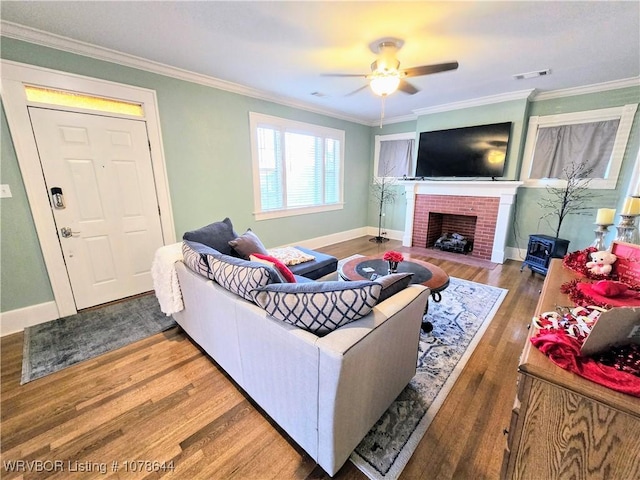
(325, 240)
(391, 234)
(518, 254)
(17, 320)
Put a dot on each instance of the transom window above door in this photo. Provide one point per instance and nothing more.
(298, 168)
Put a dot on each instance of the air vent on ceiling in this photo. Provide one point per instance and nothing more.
(537, 73)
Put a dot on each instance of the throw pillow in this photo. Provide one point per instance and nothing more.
(216, 235)
(392, 284)
(284, 271)
(247, 243)
(194, 256)
(318, 307)
(290, 255)
(241, 276)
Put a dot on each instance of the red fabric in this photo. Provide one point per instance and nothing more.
(609, 288)
(282, 268)
(583, 294)
(564, 351)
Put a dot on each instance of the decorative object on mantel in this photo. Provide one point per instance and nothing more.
(604, 219)
(627, 231)
(393, 258)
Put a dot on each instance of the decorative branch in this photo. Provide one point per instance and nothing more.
(572, 199)
(382, 192)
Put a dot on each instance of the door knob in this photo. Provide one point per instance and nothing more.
(66, 232)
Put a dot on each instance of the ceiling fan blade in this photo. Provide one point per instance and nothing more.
(364, 75)
(406, 87)
(356, 91)
(429, 69)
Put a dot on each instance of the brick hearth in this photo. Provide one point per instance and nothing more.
(490, 202)
(484, 209)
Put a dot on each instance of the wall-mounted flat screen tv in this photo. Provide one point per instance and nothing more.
(477, 151)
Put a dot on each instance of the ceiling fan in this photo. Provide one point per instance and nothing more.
(386, 76)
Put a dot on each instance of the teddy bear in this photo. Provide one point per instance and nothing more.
(601, 262)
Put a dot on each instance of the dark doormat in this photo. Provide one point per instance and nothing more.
(52, 346)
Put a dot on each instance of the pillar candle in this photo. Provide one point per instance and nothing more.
(631, 206)
(605, 216)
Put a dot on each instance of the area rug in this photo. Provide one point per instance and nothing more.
(459, 321)
(52, 346)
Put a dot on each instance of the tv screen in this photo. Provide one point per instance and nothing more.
(478, 151)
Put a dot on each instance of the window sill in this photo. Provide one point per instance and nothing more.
(291, 212)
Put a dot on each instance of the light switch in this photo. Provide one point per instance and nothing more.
(5, 191)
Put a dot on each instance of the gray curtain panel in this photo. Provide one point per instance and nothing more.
(558, 147)
(395, 158)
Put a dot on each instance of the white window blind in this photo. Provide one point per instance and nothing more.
(298, 167)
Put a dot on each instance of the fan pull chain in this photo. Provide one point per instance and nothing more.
(382, 110)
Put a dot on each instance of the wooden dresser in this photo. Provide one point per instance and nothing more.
(564, 426)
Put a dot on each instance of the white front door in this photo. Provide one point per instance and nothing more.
(109, 227)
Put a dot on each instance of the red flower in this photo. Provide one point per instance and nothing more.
(392, 256)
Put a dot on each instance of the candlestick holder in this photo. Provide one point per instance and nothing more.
(627, 231)
(600, 232)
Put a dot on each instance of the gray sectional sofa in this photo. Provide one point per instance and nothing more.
(323, 359)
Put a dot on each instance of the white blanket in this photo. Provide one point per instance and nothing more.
(165, 278)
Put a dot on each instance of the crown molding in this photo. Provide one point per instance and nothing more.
(476, 102)
(389, 121)
(586, 89)
(58, 42)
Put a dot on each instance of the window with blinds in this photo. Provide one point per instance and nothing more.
(297, 167)
(393, 155)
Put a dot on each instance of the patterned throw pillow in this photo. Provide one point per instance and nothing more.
(290, 255)
(241, 276)
(319, 307)
(194, 256)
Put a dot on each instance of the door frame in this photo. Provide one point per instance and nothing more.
(14, 77)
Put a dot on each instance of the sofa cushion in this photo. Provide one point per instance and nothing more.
(194, 256)
(241, 276)
(392, 284)
(283, 270)
(318, 307)
(246, 244)
(216, 235)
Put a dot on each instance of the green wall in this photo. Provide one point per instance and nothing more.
(205, 132)
(578, 229)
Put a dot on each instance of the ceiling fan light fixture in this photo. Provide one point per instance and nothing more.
(384, 85)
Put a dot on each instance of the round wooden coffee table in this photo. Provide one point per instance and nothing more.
(424, 273)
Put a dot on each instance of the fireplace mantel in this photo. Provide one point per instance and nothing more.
(504, 190)
(483, 188)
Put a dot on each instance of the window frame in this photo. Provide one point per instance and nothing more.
(257, 120)
(392, 137)
(625, 114)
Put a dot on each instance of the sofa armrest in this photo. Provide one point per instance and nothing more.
(363, 368)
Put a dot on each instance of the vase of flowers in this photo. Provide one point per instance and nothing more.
(393, 259)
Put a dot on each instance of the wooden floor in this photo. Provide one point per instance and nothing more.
(162, 400)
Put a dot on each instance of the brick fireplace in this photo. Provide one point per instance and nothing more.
(481, 211)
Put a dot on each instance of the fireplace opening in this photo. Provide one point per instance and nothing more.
(453, 242)
(451, 233)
